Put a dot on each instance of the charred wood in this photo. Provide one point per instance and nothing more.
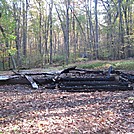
(94, 88)
(88, 79)
(93, 83)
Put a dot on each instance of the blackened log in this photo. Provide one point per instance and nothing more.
(94, 88)
(43, 81)
(109, 71)
(128, 77)
(88, 79)
(93, 83)
(20, 80)
(125, 76)
(34, 73)
(23, 80)
(50, 86)
(68, 69)
(77, 70)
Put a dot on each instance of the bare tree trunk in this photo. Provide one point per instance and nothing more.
(121, 31)
(25, 9)
(130, 26)
(65, 29)
(45, 33)
(74, 35)
(51, 33)
(40, 39)
(67, 32)
(109, 28)
(96, 31)
(90, 36)
(17, 40)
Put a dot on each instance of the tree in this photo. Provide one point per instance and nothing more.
(65, 28)
(7, 30)
(121, 30)
(16, 15)
(25, 12)
(41, 34)
(51, 21)
(96, 31)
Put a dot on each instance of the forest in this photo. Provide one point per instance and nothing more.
(36, 33)
(94, 39)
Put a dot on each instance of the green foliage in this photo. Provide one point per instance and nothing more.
(12, 51)
(5, 53)
(104, 54)
(125, 65)
(120, 65)
(32, 60)
(7, 22)
(131, 98)
(58, 59)
(92, 65)
(81, 59)
(7, 36)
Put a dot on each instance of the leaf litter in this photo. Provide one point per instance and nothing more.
(24, 110)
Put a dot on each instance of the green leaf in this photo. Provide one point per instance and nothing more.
(12, 51)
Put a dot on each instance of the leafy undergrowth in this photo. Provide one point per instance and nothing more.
(23, 110)
(121, 65)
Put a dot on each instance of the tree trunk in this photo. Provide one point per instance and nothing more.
(67, 32)
(7, 45)
(74, 35)
(51, 33)
(96, 31)
(45, 33)
(17, 28)
(25, 8)
(121, 31)
(65, 29)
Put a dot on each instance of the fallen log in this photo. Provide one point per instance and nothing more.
(23, 80)
(12, 81)
(93, 83)
(68, 80)
(88, 79)
(32, 82)
(94, 88)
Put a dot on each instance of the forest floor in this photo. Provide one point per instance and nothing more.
(46, 111)
(51, 111)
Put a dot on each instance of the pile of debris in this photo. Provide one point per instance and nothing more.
(73, 79)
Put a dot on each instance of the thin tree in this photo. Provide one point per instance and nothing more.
(51, 31)
(65, 29)
(17, 28)
(96, 31)
(25, 11)
(121, 31)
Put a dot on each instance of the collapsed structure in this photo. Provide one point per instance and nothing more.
(73, 79)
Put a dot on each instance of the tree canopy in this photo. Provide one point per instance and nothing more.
(34, 33)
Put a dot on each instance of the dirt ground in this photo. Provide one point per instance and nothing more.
(46, 111)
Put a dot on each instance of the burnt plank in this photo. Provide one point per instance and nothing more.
(23, 80)
(87, 71)
(32, 82)
(68, 69)
(43, 81)
(109, 71)
(93, 83)
(94, 88)
(88, 79)
(20, 80)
